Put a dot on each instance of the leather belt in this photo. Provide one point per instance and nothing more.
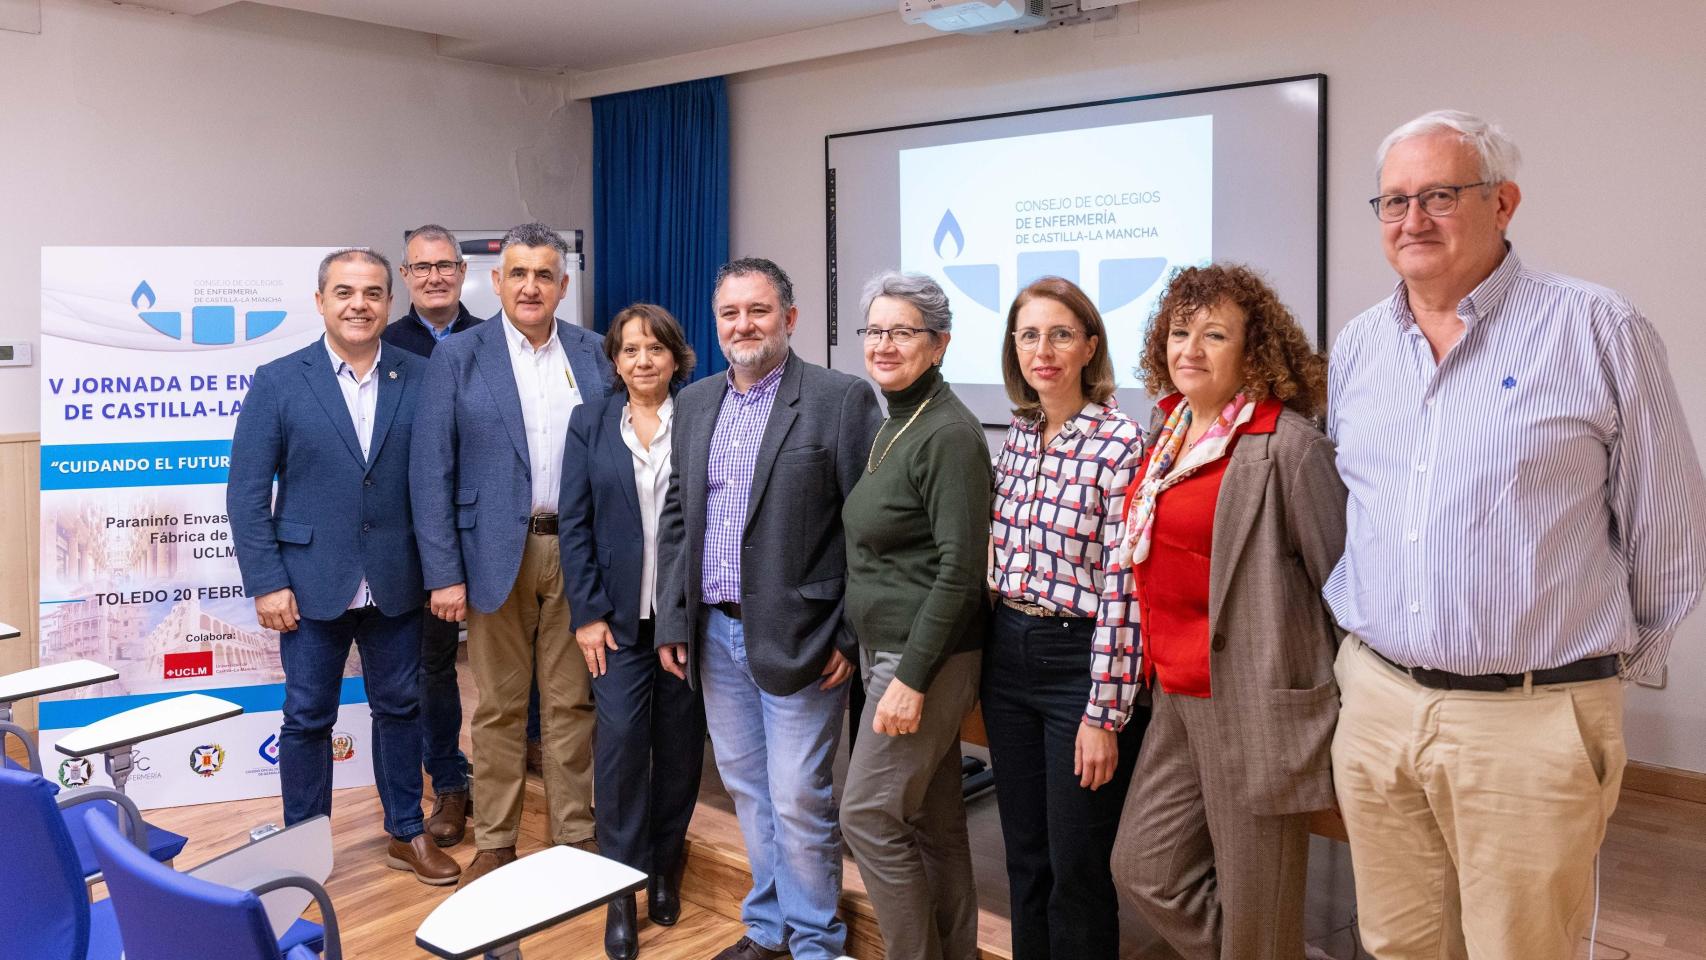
(544, 524)
(730, 610)
(1028, 609)
(1592, 668)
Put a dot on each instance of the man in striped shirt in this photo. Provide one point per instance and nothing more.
(1526, 529)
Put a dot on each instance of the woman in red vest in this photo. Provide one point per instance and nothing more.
(1234, 520)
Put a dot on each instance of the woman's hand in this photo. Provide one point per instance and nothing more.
(593, 639)
(899, 711)
(1095, 755)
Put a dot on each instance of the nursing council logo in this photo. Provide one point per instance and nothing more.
(213, 324)
(75, 772)
(343, 746)
(1119, 280)
(206, 759)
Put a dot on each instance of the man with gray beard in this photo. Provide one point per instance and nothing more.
(749, 607)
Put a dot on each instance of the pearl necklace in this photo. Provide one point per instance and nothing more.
(872, 467)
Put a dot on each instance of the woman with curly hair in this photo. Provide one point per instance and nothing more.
(1234, 519)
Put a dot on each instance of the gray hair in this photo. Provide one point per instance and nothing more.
(916, 289)
(1497, 152)
(354, 253)
(431, 231)
(765, 268)
(537, 234)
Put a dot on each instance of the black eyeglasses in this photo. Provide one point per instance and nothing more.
(445, 268)
(1435, 201)
(899, 336)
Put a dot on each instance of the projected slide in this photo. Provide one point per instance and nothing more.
(1112, 208)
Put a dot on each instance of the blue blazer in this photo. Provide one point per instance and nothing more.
(599, 522)
(471, 481)
(337, 517)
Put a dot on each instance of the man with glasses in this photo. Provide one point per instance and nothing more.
(433, 270)
(1526, 529)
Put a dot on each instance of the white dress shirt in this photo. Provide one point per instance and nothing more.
(548, 393)
(651, 482)
(361, 397)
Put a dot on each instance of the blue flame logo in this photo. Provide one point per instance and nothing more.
(1119, 280)
(213, 325)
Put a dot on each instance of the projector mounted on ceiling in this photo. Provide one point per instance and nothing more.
(975, 16)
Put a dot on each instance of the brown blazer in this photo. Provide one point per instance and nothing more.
(1279, 528)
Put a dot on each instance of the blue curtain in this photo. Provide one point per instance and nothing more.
(660, 205)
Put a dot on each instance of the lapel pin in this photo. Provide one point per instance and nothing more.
(393, 374)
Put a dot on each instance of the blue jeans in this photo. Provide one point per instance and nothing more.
(774, 755)
(313, 656)
(441, 707)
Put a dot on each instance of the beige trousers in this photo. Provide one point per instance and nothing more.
(1474, 818)
(531, 627)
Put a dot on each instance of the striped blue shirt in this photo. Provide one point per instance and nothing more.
(1531, 500)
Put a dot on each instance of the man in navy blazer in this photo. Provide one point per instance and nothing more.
(331, 559)
(485, 477)
(433, 271)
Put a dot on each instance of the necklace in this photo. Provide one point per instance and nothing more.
(872, 467)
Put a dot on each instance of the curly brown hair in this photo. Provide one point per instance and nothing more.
(1278, 360)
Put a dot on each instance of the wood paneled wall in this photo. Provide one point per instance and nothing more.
(20, 555)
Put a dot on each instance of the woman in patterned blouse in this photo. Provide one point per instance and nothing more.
(1061, 743)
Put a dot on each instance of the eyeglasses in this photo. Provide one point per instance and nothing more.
(1435, 201)
(1058, 337)
(445, 268)
(899, 336)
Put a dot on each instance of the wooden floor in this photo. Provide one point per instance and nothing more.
(1653, 882)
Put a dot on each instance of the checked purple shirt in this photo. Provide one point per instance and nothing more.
(734, 450)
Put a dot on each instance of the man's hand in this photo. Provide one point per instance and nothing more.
(836, 671)
(673, 656)
(450, 603)
(899, 711)
(1095, 755)
(277, 610)
(594, 639)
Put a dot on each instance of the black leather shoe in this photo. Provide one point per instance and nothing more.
(663, 897)
(621, 941)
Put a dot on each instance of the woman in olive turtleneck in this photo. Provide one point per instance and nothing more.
(917, 527)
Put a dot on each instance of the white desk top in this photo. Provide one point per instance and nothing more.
(305, 848)
(53, 678)
(7, 631)
(523, 898)
(145, 723)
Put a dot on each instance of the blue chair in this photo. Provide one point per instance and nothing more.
(45, 912)
(162, 845)
(167, 915)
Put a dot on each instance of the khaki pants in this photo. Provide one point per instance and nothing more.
(503, 647)
(1474, 818)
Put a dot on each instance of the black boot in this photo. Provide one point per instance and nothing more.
(663, 897)
(621, 941)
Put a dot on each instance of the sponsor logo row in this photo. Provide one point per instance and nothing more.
(206, 760)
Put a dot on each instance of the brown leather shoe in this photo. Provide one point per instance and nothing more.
(535, 758)
(420, 854)
(746, 949)
(486, 861)
(449, 820)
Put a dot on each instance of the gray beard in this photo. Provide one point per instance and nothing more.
(763, 355)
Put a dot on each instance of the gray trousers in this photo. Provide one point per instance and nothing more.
(905, 821)
(1215, 880)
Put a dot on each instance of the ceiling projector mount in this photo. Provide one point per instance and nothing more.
(1001, 16)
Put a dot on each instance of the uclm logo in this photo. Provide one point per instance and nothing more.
(211, 325)
(196, 663)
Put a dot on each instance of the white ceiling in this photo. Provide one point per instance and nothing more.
(581, 35)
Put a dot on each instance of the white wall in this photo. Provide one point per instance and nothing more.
(1605, 100)
(254, 126)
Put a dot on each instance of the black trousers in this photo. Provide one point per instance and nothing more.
(1059, 836)
(647, 757)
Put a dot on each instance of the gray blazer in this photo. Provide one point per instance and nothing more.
(793, 559)
(1279, 528)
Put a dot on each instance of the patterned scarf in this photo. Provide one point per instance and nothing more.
(1162, 473)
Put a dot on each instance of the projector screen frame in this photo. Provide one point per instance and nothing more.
(831, 273)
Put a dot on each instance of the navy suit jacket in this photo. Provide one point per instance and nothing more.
(338, 517)
(406, 331)
(471, 480)
(602, 538)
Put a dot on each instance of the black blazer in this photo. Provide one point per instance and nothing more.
(406, 331)
(793, 558)
(599, 529)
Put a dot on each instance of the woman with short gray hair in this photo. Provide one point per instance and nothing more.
(917, 528)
